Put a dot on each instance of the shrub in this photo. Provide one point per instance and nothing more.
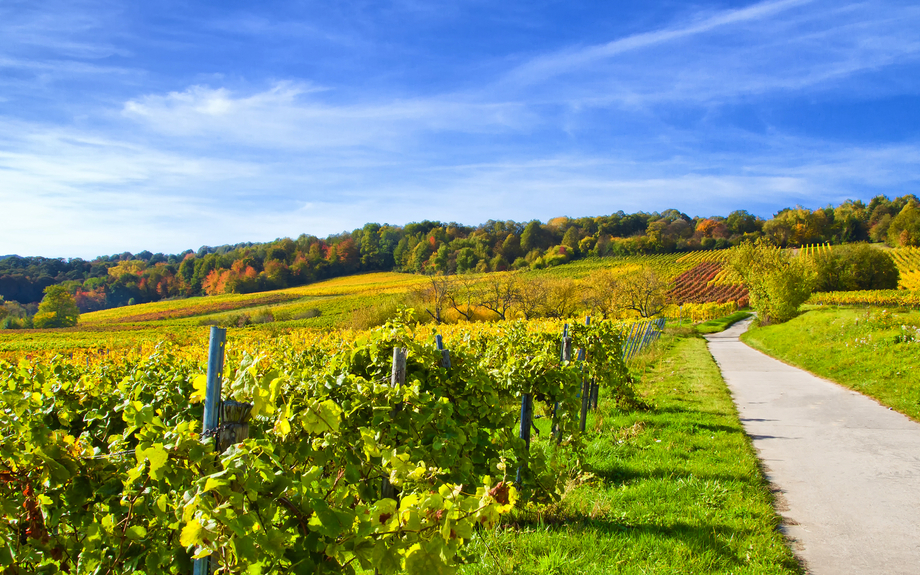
(310, 313)
(57, 309)
(778, 283)
(854, 267)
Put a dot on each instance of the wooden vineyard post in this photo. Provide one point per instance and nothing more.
(524, 431)
(637, 339)
(445, 354)
(566, 355)
(640, 338)
(211, 418)
(585, 385)
(397, 378)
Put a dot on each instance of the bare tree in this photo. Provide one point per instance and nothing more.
(531, 294)
(499, 292)
(462, 294)
(434, 297)
(644, 291)
(600, 292)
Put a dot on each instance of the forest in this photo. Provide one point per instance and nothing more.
(436, 247)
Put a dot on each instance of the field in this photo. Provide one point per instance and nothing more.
(697, 277)
(872, 350)
(340, 304)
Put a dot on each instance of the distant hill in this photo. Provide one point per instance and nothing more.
(434, 247)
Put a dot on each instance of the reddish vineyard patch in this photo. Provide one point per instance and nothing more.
(204, 307)
(692, 287)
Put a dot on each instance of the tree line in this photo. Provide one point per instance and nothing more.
(434, 247)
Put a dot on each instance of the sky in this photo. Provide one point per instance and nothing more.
(165, 126)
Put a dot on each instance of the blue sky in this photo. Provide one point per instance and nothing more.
(171, 125)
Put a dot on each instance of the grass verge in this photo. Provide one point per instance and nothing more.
(722, 323)
(872, 350)
(676, 489)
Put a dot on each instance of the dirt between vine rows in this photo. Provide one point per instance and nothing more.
(845, 469)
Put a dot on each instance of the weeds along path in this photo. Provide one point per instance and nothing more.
(846, 470)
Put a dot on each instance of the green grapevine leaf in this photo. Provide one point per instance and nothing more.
(192, 534)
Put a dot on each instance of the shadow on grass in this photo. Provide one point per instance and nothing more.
(619, 476)
(702, 539)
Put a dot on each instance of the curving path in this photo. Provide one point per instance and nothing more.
(845, 469)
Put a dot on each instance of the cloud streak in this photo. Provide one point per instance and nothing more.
(770, 47)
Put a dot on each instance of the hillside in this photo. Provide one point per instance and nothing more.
(363, 300)
(433, 247)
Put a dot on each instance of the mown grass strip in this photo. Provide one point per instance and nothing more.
(722, 323)
(676, 489)
(872, 350)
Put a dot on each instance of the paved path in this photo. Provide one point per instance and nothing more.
(846, 469)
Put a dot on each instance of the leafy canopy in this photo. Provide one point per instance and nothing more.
(778, 282)
(57, 309)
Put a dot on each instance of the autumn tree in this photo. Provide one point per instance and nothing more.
(642, 290)
(531, 294)
(904, 229)
(600, 292)
(777, 281)
(434, 296)
(560, 298)
(461, 295)
(57, 309)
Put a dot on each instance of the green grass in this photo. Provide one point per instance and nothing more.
(871, 350)
(722, 323)
(676, 489)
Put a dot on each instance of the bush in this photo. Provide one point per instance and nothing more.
(777, 281)
(57, 309)
(854, 267)
(310, 313)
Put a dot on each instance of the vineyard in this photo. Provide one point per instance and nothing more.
(177, 309)
(908, 262)
(707, 281)
(345, 464)
(287, 304)
(881, 298)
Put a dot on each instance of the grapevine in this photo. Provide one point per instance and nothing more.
(103, 467)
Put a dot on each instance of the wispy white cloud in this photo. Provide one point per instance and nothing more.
(73, 185)
(547, 67)
(769, 47)
(286, 116)
(66, 29)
